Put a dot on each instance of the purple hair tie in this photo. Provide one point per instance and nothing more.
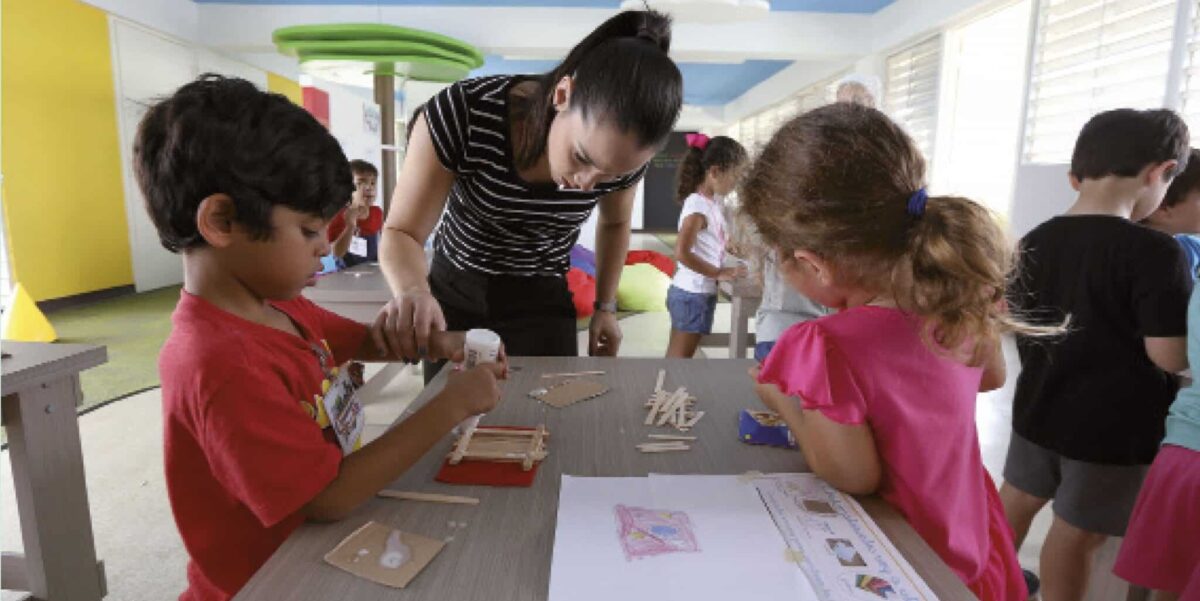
(916, 202)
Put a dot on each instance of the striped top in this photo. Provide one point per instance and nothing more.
(496, 223)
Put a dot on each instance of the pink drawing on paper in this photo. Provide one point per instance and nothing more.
(648, 532)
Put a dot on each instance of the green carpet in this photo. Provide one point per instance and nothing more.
(133, 328)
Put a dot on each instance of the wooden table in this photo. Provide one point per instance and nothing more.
(745, 295)
(356, 293)
(505, 550)
(41, 389)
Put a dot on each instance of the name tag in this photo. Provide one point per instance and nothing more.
(345, 411)
(358, 246)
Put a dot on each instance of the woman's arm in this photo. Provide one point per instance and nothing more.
(404, 324)
(612, 244)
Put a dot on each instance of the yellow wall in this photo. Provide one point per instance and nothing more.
(282, 85)
(64, 205)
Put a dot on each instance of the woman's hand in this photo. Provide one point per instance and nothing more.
(402, 329)
(604, 335)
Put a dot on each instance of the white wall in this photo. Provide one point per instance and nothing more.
(148, 65)
(1041, 192)
(178, 18)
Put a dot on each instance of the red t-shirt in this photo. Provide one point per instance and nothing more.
(245, 433)
(367, 226)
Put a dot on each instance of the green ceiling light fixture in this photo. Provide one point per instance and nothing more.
(374, 55)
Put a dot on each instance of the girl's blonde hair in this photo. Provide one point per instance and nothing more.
(837, 181)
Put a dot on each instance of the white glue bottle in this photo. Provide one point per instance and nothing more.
(481, 346)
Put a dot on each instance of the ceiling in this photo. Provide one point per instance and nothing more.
(819, 6)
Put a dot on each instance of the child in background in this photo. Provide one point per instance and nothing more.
(881, 395)
(1160, 549)
(709, 171)
(358, 243)
(1089, 408)
(261, 425)
(1179, 214)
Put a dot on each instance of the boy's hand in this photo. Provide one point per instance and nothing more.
(726, 274)
(473, 391)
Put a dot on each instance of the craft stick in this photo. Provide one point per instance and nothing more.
(658, 403)
(663, 445)
(695, 418)
(665, 450)
(667, 411)
(662, 373)
(428, 497)
(671, 437)
(574, 374)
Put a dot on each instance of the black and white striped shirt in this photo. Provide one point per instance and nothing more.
(495, 222)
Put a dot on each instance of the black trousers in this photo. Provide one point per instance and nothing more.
(534, 315)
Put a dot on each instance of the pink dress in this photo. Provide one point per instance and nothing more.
(870, 365)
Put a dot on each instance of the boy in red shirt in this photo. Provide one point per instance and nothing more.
(359, 243)
(261, 426)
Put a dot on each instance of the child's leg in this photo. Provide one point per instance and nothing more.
(691, 318)
(1031, 477)
(1020, 508)
(683, 345)
(1093, 502)
(1066, 563)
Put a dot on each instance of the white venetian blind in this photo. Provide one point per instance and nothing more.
(1092, 56)
(1190, 82)
(911, 95)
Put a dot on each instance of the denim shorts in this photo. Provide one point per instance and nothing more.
(691, 312)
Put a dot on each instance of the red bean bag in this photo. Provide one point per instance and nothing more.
(660, 261)
(583, 291)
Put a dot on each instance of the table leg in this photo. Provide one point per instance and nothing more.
(48, 478)
(738, 328)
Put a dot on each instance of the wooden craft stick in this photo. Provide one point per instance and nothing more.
(572, 375)
(671, 437)
(428, 497)
(678, 398)
(695, 418)
(662, 373)
(665, 450)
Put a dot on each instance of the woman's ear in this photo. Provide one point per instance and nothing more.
(562, 93)
(215, 218)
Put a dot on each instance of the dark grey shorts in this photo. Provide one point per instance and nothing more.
(1094, 497)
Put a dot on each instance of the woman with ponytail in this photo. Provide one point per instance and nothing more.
(881, 395)
(709, 171)
(517, 163)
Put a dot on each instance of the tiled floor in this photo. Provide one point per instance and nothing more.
(144, 558)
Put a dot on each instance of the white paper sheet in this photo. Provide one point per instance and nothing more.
(845, 554)
(669, 538)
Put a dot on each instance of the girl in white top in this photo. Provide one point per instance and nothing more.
(709, 171)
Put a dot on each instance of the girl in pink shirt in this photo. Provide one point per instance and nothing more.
(881, 395)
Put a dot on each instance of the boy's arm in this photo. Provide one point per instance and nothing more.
(442, 345)
(1169, 354)
(368, 470)
(341, 245)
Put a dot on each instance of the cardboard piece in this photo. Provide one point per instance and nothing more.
(571, 392)
(765, 428)
(372, 537)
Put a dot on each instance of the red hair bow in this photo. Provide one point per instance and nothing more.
(698, 141)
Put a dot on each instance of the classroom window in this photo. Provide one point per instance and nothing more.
(757, 129)
(979, 128)
(1190, 80)
(911, 90)
(1091, 56)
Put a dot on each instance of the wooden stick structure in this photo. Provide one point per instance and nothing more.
(675, 409)
(427, 497)
(501, 445)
